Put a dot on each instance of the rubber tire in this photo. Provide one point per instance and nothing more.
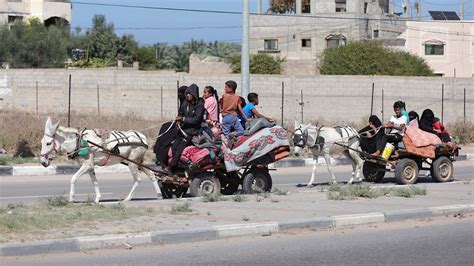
(259, 176)
(406, 172)
(230, 183)
(439, 172)
(373, 172)
(204, 184)
(169, 191)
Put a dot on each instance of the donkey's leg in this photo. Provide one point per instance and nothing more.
(358, 161)
(313, 174)
(96, 186)
(134, 170)
(354, 165)
(153, 179)
(327, 158)
(86, 167)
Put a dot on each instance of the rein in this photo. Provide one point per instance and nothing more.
(53, 148)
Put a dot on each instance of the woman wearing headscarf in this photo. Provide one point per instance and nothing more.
(372, 136)
(426, 124)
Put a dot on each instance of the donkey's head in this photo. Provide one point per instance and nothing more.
(49, 144)
(300, 137)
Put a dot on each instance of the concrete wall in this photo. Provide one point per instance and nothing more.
(332, 99)
(208, 65)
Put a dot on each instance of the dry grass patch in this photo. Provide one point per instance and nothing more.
(57, 214)
(350, 192)
(16, 126)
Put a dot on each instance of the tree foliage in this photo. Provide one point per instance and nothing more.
(259, 64)
(283, 6)
(33, 45)
(371, 58)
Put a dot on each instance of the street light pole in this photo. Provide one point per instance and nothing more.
(245, 57)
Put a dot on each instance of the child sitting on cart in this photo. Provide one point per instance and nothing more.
(395, 129)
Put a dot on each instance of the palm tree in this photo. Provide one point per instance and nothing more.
(178, 58)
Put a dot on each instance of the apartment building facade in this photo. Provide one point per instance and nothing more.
(301, 37)
(50, 12)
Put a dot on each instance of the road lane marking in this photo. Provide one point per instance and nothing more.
(46, 196)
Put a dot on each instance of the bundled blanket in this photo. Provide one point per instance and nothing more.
(255, 146)
(420, 142)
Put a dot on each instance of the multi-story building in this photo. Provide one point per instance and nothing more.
(301, 37)
(446, 45)
(50, 12)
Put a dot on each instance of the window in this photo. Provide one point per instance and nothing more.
(306, 6)
(340, 5)
(376, 34)
(13, 19)
(365, 7)
(434, 47)
(306, 43)
(335, 40)
(270, 44)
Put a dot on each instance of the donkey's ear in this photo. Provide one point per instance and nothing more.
(305, 127)
(48, 124)
(55, 126)
(297, 124)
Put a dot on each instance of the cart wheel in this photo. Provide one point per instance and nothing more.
(205, 184)
(442, 170)
(373, 172)
(257, 181)
(406, 171)
(230, 183)
(169, 191)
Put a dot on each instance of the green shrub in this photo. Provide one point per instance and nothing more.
(259, 64)
(371, 58)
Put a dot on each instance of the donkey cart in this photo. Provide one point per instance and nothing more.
(408, 160)
(215, 170)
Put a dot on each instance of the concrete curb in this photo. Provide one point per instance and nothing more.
(224, 231)
(69, 169)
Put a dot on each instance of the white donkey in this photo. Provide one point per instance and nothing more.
(322, 142)
(130, 144)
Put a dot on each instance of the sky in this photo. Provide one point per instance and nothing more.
(175, 27)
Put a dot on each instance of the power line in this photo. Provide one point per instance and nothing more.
(238, 12)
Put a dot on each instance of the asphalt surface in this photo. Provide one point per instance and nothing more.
(443, 241)
(116, 186)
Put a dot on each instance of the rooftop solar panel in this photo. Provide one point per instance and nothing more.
(451, 15)
(437, 15)
(444, 15)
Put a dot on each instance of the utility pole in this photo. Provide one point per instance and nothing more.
(462, 9)
(245, 57)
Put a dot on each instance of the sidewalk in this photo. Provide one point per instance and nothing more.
(255, 215)
(466, 153)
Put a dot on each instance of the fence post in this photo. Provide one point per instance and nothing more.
(177, 98)
(442, 104)
(302, 106)
(69, 104)
(464, 105)
(282, 101)
(372, 100)
(383, 119)
(36, 97)
(161, 104)
(98, 101)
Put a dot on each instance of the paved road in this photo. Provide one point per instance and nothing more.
(444, 241)
(116, 186)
